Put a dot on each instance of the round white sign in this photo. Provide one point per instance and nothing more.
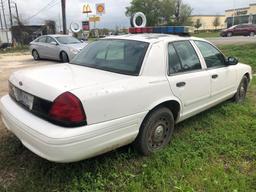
(139, 20)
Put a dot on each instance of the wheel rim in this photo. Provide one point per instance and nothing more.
(158, 136)
(242, 91)
(229, 34)
(64, 57)
(252, 34)
(35, 55)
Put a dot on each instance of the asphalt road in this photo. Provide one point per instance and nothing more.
(238, 40)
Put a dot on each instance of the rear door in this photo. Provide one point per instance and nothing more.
(53, 49)
(189, 80)
(40, 46)
(223, 77)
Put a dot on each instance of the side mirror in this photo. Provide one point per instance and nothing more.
(232, 61)
(54, 43)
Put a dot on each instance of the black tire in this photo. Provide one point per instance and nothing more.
(242, 90)
(252, 34)
(155, 132)
(35, 55)
(229, 34)
(64, 57)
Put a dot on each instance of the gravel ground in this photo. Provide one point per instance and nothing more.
(13, 62)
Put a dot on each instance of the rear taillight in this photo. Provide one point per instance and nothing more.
(67, 109)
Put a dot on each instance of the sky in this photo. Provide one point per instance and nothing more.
(115, 10)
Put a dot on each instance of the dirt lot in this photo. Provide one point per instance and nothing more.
(13, 62)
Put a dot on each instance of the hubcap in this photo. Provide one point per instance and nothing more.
(158, 137)
(159, 132)
(35, 54)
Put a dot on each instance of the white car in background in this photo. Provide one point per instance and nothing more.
(117, 91)
(56, 47)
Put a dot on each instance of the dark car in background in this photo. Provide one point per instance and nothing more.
(237, 30)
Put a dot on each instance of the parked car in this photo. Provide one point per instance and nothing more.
(117, 91)
(236, 30)
(56, 47)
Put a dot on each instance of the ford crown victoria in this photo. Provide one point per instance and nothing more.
(117, 91)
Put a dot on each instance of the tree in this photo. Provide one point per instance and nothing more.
(198, 24)
(216, 22)
(161, 10)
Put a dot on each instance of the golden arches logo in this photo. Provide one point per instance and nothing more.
(87, 9)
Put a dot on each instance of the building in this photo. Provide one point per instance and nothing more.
(208, 20)
(241, 15)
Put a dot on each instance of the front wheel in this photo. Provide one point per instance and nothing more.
(64, 57)
(155, 132)
(242, 90)
(229, 34)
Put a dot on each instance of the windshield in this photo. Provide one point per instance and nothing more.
(119, 56)
(233, 27)
(68, 40)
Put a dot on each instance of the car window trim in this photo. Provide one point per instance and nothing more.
(210, 68)
(185, 72)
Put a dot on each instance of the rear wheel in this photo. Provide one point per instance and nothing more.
(35, 55)
(155, 132)
(252, 34)
(64, 57)
(242, 90)
(229, 34)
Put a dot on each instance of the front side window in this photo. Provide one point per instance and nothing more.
(50, 40)
(42, 39)
(120, 56)
(212, 56)
(183, 57)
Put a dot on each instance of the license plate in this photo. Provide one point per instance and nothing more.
(23, 98)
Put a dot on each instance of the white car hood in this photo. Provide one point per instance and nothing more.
(78, 46)
(48, 82)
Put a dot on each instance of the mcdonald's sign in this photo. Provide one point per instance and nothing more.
(87, 9)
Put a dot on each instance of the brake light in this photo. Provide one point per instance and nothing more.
(67, 109)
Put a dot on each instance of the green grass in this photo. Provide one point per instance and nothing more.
(18, 49)
(213, 151)
(245, 53)
(207, 34)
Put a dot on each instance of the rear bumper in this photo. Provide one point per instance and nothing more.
(60, 144)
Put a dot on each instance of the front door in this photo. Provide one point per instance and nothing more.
(223, 77)
(187, 77)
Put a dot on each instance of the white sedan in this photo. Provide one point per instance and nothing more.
(117, 91)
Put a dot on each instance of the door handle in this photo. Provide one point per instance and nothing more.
(180, 84)
(215, 76)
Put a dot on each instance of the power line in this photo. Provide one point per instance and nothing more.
(46, 6)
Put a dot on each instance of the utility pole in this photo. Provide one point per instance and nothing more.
(1, 22)
(7, 38)
(11, 23)
(63, 8)
(17, 13)
(10, 11)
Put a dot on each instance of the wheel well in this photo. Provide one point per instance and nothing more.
(63, 52)
(174, 106)
(248, 76)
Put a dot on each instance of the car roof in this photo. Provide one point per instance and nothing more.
(57, 35)
(152, 37)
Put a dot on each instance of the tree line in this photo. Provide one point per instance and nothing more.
(162, 12)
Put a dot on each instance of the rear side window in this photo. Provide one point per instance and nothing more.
(212, 56)
(183, 57)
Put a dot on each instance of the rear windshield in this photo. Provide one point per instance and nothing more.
(119, 56)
